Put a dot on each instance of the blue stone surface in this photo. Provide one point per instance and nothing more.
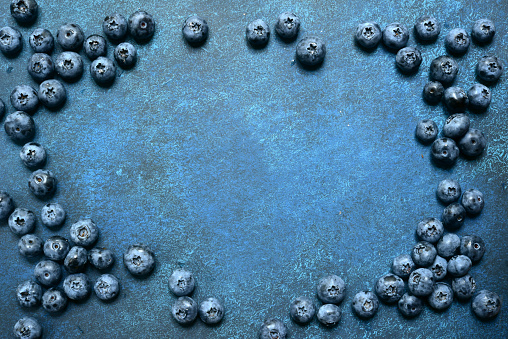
(258, 176)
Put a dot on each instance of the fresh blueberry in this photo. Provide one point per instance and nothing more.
(56, 248)
(42, 183)
(464, 287)
(459, 265)
(489, 69)
(22, 221)
(483, 31)
(103, 71)
(395, 36)
(53, 215)
(69, 66)
(30, 245)
(76, 259)
(27, 328)
(195, 30)
(423, 254)
(473, 247)
(456, 125)
(430, 230)
(141, 26)
(302, 310)
(33, 155)
(139, 260)
(11, 41)
(52, 94)
(453, 216)
(257, 33)
(448, 191)
(29, 293)
(181, 282)
(77, 286)
(472, 200)
(115, 27)
(421, 282)
(211, 311)
(48, 273)
(473, 143)
(273, 328)
(2, 109)
(184, 310)
(455, 99)
(479, 97)
(444, 152)
(408, 60)
(389, 288)
(311, 52)
(126, 55)
(70, 37)
(443, 69)
(24, 11)
(439, 268)
(403, 265)
(107, 287)
(410, 306)
(95, 46)
(287, 26)
(433, 92)
(329, 315)
(448, 245)
(19, 126)
(84, 232)
(331, 289)
(6, 205)
(441, 297)
(426, 131)
(24, 98)
(101, 258)
(54, 300)
(427, 28)
(40, 67)
(41, 40)
(365, 304)
(457, 41)
(486, 305)
(368, 35)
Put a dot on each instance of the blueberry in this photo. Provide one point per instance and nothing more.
(195, 30)
(427, 28)
(421, 282)
(331, 289)
(6, 205)
(483, 31)
(287, 26)
(302, 310)
(257, 33)
(395, 36)
(433, 92)
(30, 245)
(473, 202)
(139, 260)
(441, 297)
(42, 183)
(69, 66)
(368, 35)
(473, 247)
(479, 97)
(24, 98)
(48, 273)
(408, 60)
(41, 40)
(181, 282)
(184, 310)
(426, 131)
(19, 126)
(22, 221)
(95, 46)
(84, 232)
(423, 254)
(40, 67)
(410, 306)
(457, 41)
(103, 71)
(448, 191)
(365, 304)
(11, 41)
(24, 11)
(211, 311)
(53, 215)
(107, 287)
(473, 143)
(114, 27)
(443, 69)
(56, 248)
(430, 230)
(29, 293)
(141, 26)
(33, 155)
(489, 69)
(448, 245)
(273, 328)
(453, 216)
(444, 152)
(70, 37)
(101, 258)
(459, 265)
(439, 268)
(77, 286)
(76, 259)
(403, 265)
(389, 288)
(52, 94)
(54, 300)
(126, 55)
(2, 109)
(486, 305)
(27, 328)
(464, 287)
(456, 125)
(329, 315)
(455, 99)
(311, 52)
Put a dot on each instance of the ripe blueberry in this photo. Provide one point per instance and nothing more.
(448, 191)
(126, 55)
(287, 26)
(141, 26)
(114, 27)
(408, 60)
(211, 311)
(441, 297)
(443, 69)
(76, 259)
(489, 69)
(24, 11)
(273, 328)
(24, 98)
(2, 109)
(331, 289)
(473, 247)
(27, 328)
(455, 99)
(181, 282)
(33, 155)
(433, 92)
(77, 286)
(430, 229)
(486, 305)
(48, 273)
(403, 265)
(311, 52)
(457, 41)
(6, 205)
(368, 35)
(453, 216)
(459, 265)
(95, 46)
(22, 221)
(456, 125)
(444, 152)
(70, 37)
(195, 30)
(42, 183)
(389, 288)
(40, 67)
(448, 245)
(139, 260)
(53, 215)
(439, 268)
(302, 310)
(56, 248)
(19, 126)
(101, 258)
(257, 33)
(395, 36)
(426, 131)
(423, 254)
(11, 41)
(69, 66)
(184, 310)
(30, 245)
(483, 31)
(84, 232)
(41, 40)
(54, 300)
(479, 97)
(28, 293)
(464, 287)
(107, 287)
(410, 306)
(329, 315)
(421, 282)
(472, 200)
(473, 143)
(427, 28)
(103, 71)
(365, 304)
(52, 94)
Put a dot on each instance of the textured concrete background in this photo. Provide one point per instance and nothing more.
(255, 174)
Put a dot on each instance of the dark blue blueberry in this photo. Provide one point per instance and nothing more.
(126, 55)
(483, 31)
(70, 37)
(444, 69)
(439, 268)
(448, 245)
(459, 265)
(486, 305)
(455, 99)
(453, 216)
(22, 221)
(403, 265)
(115, 27)
(41, 40)
(389, 288)
(69, 66)
(368, 35)
(30, 245)
(101, 258)
(24, 98)
(24, 11)
(273, 328)
(427, 28)
(302, 310)
(433, 92)
(457, 41)
(33, 155)
(107, 287)
(329, 315)
(54, 300)
(42, 183)
(56, 248)
(19, 126)
(311, 52)
(257, 33)
(365, 304)
(139, 260)
(195, 30)
(29, 293)
(76, 259)
(40, 67)
(141, 26)
(441, 297)
(448, 191)
(464, 287)
(11, 41)
(2, 109)
(444, 152)
(421, 282)
(84, 232)
(430, 230)
(95, 46)
(331, 289)
(423, 254)
(48, 273)
(473, 247)
(6, 205)
(287, 26)
(395, 36)
(410, 306)
(473, 143)
(77, 286)
(211, 311)
(426, 131)
(456, 125)
(479, 97)
(53, 215)
(408, 60)
(489, 69)
(103, 71)
(181, 282)
(184, 310)
(472, 200)
(27, 328)
(52, 94)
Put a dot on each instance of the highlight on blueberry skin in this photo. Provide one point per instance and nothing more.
(11, 42)
(115, 27)
(427, 28)
(257, 33)
(141, 26)
(42, 184)
(27, 328)
(311, 52)
(302, 310)
(365, 304)
(181, 282)
(486, 305)
(408, 60)
(211, 311)
(195, 30)
(41, 40)
(184, 310)
(139, 260)
(287, 26)
(455, 99)
(368, 35)
(426, 131)
(273, 328)
(76, 259)
(483, 31)
(25, 12)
